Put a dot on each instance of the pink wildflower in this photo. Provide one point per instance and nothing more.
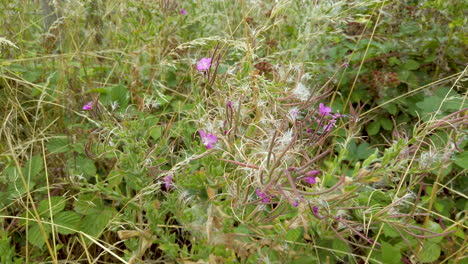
(208, 139)
(315, 210)
(330, 125)
(168, 182)
(88, 106)
(324, 110)
(310, 180)
(263, 196)
(182, 11)
(312, 173)
(204, 64)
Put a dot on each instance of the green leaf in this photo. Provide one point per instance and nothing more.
(58, 145)
(156, 132)
(304, 260)
(373, 128)
(390, 254)
(394, 61)
(389, 231)
(411, 65)
(119, 93)
(33, 166)
(363, 151)
(294, 234)
(430, 104)
(386, 123)
(429, 253)
(95, 224)
(340, 245)
(85, 165)
(68, 219)
(435, 227)
(57, 203)
(87, 204)
(462, 160)
(35, 236)
(391, 108)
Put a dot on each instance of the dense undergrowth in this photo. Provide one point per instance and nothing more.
(233, 131)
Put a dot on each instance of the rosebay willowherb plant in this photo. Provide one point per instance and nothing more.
(211, 131)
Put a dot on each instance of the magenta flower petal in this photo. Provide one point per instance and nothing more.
(315, 210)
(265, 198)
(208, 139)
(312, 173)
(310, 179)
(182, 11)
(324, 110)
(204, 64)
(88, 106)
(168, 182)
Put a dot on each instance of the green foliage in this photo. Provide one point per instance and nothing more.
(131, 178)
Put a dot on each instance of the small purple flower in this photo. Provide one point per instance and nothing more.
(208, 139)
(168, 182)
(315, 210)
(263, 196)
(229, 104)
(312, 173)
(88, 106)
(182, 11)
(293, 113)
(310, 180)
(346, 64)
(330, 125)
(204, 64)
(294, 203)
(324, 110)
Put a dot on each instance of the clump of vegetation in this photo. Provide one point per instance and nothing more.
(233, 131)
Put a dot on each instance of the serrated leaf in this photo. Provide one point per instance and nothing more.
(85, 165)
(340, 245)
(88, 204)
(95, 224)
(58, 145)
(68, 219)
(390, 254)
(33, 166)
(373, 128)
(430, 104)
(35, 236)
(429, 253)
(294, 234)
(57, 203)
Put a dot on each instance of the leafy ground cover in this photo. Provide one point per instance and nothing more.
(233, 131)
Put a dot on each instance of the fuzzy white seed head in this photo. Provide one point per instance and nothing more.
(301, 92)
